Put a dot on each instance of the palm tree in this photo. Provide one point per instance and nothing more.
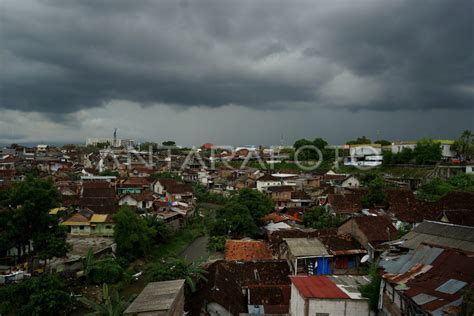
(155, 222)
(173, 269)
(464, 144)
(194, 274)
(112, 304)
(88, 262)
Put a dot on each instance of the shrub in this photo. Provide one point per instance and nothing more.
(106, 271)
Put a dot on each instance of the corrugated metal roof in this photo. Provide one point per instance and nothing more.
(423, 254)
(414, 239)
(156, 297)
(446, 230)
(306, 247)
(440, 311)
(350, 284)
(451, 286)
(423, 298)
(317, 287)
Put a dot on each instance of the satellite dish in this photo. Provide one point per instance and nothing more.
(364, 258)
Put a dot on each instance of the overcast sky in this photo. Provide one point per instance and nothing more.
(235, 72)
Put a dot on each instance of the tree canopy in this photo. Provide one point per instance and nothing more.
(318, 217)
(43, 295)
(169, 143)
(375, 195)
(437, 188)
(360, 141)
(233, 219)
(309, 153)
(172, 269)
(241, 214)
(132, 234)
(464, 145)
(383, 142)
(112, 304)
(26, 219)
(427, 152)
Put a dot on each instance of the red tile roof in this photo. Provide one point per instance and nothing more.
(346, 203)
(376, 228)
(317, 287)
(276, 217)
(247, 250)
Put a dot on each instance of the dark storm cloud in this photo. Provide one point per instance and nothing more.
(62, 56)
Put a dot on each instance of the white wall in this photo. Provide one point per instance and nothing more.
(128, 199)
(339, 307)
(398, 148)
(447, 151)
(296, 302)
(365, 151)
(334, 307)
(261, 185)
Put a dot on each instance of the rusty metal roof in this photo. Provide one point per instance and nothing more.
(319, 287)
(306, 247)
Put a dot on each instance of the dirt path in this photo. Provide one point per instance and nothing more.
(197, 250)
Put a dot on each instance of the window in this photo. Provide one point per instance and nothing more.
(81, 227)
(322, 314)
(108, 227)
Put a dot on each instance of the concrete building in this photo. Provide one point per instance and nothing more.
(368, 155)
(328, 295)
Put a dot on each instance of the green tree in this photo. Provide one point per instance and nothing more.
(403, 230)
(149, 145)
(169, 143)
(405, 156)
(172, 269)
(359, 141)
(320, 143)
(216, 243)
(375, 195)
(388, 158)
(156, 223)
(256, 202)
(318, 217)
(233, 219)
(88, 263)
(28, 221)
(51, 243)
(112, 304)
(372, 290)
(427, 152)
(383, 142)
(464, 145)
(203, 195)
(131, 233)
(437, 188)
(43, 295)
(304, 154)
(106, 270)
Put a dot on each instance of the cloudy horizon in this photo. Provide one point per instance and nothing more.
(240, 72)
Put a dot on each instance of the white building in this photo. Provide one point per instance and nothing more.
(399, 146)
(447, 150)
(328, 296)
(366, 155)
